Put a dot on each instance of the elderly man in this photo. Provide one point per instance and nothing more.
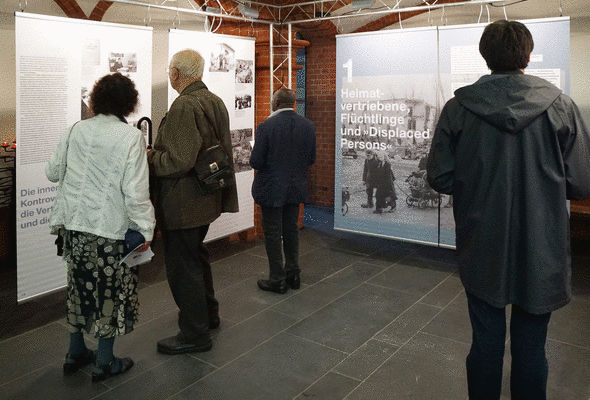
(284, 150)
(511, 149)
(194, 120)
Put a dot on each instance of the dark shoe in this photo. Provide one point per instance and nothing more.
(378, 211)
(214, 322)
(294, 281)
(366, 205)
(174, 345)
(74, 363)
(114, 368)
(277, 287)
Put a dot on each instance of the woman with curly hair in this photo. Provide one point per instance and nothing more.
(101, 166)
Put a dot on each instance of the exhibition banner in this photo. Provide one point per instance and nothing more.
(390, 89)
(229, 73)
(57, 62)
(387, 100)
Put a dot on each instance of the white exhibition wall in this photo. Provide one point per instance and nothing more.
(390, 89)
(229, 73)
(57, 62)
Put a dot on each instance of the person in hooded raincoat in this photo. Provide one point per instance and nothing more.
(511, 149)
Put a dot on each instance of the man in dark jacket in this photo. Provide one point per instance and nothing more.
(511, 149)
(369, 180)
(284, 150)
(194, 120)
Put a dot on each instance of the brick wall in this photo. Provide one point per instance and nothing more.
(320, 104)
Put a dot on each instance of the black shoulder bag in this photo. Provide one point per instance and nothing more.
(213, 168)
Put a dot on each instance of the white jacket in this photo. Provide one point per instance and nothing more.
(102, 170)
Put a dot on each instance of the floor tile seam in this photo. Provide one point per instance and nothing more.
(441, 308)
(425, 258)
(150, 369)
(374, 265)
(236, 255)
(349, 252)
(431, 305)
(312, 250)
(335, 299)
(257, 256)
(342, 269)
(27, 332)
(407, 341)
(247, 352)
(391, 289)
(318, 344)
(193, 355)
(569, 344)
(394, 264)
(410, 253)
(377, 333)
(26, 374)
(445, 338)
(323, 376)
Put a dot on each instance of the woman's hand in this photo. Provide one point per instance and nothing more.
(144, 246)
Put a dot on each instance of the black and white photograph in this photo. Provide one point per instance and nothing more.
(123, 62)
(85, 111)
(244, 71)
(384, 154)
(243, 101)
(222, 58)
(241, 139)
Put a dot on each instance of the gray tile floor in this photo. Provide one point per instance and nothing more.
(374, 319)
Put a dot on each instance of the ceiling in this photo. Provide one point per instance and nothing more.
(452, 14)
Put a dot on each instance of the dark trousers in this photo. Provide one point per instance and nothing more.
(528, 334)
(191, 282)
(370, 191)
(281, 234)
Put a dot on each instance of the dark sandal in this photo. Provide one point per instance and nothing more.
(74, 363)
(116, 367)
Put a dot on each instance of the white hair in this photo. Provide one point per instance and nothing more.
(189, 63)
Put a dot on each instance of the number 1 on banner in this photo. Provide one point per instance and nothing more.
(348, 66)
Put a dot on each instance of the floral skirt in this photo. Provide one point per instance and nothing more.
(101, 292)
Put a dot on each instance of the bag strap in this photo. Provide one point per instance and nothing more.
(207, 117)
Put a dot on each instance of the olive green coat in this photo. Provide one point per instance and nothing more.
(183, 133)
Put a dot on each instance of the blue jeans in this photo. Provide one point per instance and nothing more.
(528, 334)
(281, 234)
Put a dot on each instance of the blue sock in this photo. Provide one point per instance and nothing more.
(77, 345)
(105, 354)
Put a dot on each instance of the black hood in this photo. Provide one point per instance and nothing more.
(510, 101)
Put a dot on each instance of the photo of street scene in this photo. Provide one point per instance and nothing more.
(384, 153)
(240, 139)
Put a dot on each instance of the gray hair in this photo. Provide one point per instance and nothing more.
(189, 63)
(283, 98)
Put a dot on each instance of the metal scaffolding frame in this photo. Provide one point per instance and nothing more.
(316, 10)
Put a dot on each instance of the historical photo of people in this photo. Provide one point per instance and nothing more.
(222, 58)
(243, 101)
(384, 153)
(241, 139)
(85, 111)
(123, 63)
(244, 71)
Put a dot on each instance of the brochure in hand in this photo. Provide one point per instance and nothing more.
(131, 257)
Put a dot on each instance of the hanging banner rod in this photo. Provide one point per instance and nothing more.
(359, 13)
